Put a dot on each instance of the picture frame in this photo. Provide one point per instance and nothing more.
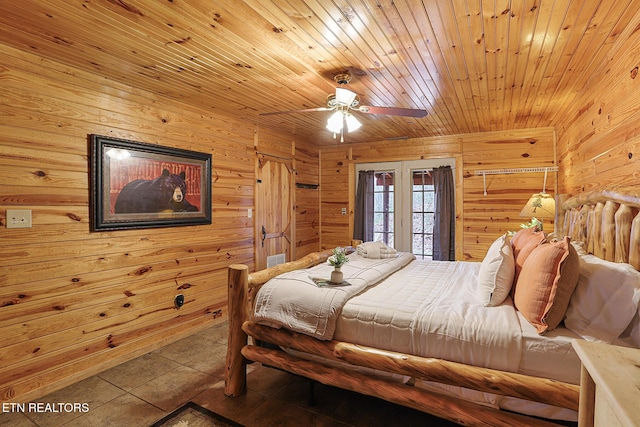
(139, 185)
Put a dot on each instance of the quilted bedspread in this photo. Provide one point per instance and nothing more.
(433, 309)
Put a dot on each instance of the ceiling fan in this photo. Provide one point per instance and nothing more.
(344, 102)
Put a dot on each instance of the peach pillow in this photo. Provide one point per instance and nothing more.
(523, 243)
(546, 282)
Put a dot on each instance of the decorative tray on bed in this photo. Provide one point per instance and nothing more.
(322, 282)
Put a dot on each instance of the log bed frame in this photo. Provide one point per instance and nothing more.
(609, 225)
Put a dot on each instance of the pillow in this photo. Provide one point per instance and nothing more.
(376, 250)
(605, 300)
(523, 243)
(634, 327)
(495, 277)
(579, 247)
(545, 285)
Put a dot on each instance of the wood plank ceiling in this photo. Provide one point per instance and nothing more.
(474, 65)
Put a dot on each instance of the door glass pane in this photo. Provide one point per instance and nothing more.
(417, 223)
(378, 222)
(429, 204)
(417, 198)
(428, 222)
(378, 199)
(428, 244)
(418, 244)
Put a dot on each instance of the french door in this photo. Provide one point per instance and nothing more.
(404, 204)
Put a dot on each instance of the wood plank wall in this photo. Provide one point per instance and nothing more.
(72, 302)
(487, 217)
(307, 207)
(480, 219)
(599, 134)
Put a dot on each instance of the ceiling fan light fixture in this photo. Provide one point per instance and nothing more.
(352, 122)
(344, 96)
(335, 122)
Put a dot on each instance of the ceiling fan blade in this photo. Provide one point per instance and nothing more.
(392, 111)
(308, 110)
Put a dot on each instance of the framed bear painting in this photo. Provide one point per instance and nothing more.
(139, 185)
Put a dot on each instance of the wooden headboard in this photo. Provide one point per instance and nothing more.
(607, 222)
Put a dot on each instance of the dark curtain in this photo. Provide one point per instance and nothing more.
(363, 215)
(445, 215)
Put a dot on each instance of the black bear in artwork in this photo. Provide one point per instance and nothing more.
(165, 193)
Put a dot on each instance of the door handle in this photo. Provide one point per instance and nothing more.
(266, 235)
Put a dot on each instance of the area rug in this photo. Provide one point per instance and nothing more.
(193, 415)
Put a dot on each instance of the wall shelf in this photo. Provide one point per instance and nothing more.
(484, 173)
(516, 170)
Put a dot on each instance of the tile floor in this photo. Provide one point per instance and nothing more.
(144, 390)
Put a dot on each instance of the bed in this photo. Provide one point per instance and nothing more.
(496, 350)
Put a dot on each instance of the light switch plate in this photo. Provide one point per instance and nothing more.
(18, 218)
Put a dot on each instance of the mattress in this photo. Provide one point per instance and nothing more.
(550, 355)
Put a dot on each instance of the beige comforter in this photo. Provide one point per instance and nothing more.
(293, 300)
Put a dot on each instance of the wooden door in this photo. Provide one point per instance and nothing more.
(274, 210)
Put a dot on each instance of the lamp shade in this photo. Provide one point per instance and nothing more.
(540, 205)
(352, 122)
(334, 124)
(344, 96)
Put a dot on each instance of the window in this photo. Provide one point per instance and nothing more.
(404, 204)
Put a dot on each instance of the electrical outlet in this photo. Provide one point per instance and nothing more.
(344, 211)
(18, 218)
(179, 300)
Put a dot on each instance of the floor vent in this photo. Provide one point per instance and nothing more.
(275, 260)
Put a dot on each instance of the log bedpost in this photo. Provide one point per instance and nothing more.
(634, 250)
(235, 380)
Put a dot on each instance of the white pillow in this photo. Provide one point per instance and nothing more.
(579, 247)
(635, 330)
(495, 277)
(605, 300)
